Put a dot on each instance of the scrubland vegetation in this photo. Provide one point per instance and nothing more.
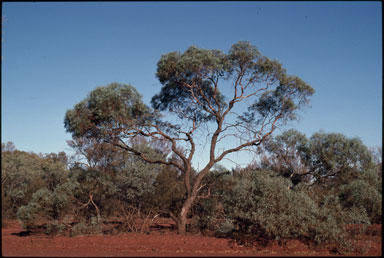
(276, 198)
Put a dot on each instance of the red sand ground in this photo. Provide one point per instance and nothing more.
(157, 243)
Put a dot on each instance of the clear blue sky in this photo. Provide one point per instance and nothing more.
(54, 54)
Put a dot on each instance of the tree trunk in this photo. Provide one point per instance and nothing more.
(181, 219)
(181, 226)
(183, 215)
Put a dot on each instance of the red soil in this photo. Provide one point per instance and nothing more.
(159, 243)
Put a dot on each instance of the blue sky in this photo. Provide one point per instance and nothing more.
(54, 54)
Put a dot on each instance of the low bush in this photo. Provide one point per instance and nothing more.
(47, 205)
(55, 228)
(361, 195)
(86, 227)
(262, 204)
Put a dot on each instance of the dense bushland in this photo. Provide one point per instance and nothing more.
(301, 188)
(22, 174)
(263, 206)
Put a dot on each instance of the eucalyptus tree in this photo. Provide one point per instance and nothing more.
(239, 97)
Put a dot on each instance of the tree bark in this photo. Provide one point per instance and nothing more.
(182, 226)
(187, 205)
(183, 215)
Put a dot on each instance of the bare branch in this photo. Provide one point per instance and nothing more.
(255, 142)
(138, 153)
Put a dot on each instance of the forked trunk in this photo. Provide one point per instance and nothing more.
(181, 219)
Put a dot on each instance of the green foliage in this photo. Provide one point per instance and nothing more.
(47, 205)
(174, 69)
(135, 181)
(286, 153)
(86, 227)
(20, 178)
(136, 177)
(359, 194)
(331, 203)
(291, 93)
(114, 178)
(55, 228)
(106, 111)
(262, 204)
(93, 183)
(54, 170)
(169, 191)
(227, 226)
(26, 215)
(326, 158)
(190, 80)
(373, 177)
(332, 153)
(86, 193)
(24, 173)
(208, 212)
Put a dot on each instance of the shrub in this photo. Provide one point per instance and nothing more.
(359, 194)
(22, 174)
(55, 228)
(20, 178)
(263, 204)
(226, 226)
(85, 227)
(168, 193)
(207, 215)
(47, 205)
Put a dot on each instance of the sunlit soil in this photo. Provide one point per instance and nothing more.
(164, 242)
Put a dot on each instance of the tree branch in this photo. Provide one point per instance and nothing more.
(123, 146)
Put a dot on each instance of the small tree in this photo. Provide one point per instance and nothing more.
(325, 157)
(333, 155)
(284, 153)
(194, 95)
